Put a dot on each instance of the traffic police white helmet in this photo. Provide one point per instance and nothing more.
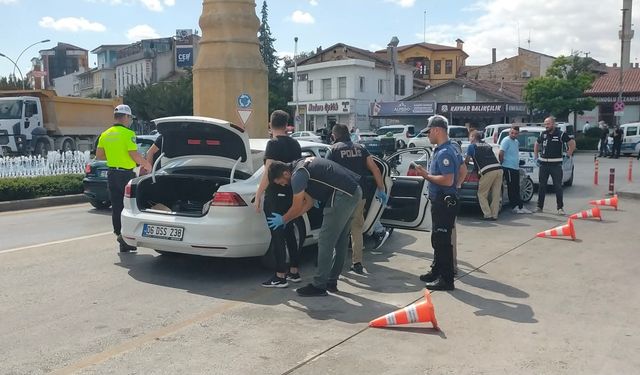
(123, 109)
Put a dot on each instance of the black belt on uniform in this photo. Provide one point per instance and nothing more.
(120, 169)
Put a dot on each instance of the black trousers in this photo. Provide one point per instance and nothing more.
(278, 199)
(615, 152)
(555, 171)
(443, 218)
(116, 181)
(512, 176)
(603, 148)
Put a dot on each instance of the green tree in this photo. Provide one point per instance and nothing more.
(161, 99)
(13, 83)
(267, 50)
(561, 90)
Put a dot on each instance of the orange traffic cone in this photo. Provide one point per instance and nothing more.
(421, 312)
(563, 230)
(593, 212)
(613, 202)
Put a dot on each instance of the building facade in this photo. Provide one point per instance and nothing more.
(339, 84)
(605, 90)
(520, 68)
(61, 60)
(432, 63)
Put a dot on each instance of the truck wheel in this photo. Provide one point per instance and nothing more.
(68, 145)
(42, 148)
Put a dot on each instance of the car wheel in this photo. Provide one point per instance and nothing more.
(570, 180)
(42, 148)
(100, 205)
(526, 190)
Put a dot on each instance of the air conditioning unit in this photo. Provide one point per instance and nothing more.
(525, 74)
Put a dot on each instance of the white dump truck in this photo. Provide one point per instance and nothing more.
(38, 121)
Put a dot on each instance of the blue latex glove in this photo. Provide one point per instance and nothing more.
(382, 196)
(275, 221)
(316, 204)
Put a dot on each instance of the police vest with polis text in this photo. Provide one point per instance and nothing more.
(552, 146)
(485, 160)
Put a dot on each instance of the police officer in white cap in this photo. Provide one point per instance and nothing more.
(445, 171)
(117, 145)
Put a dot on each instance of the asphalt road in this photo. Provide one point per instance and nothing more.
(69, 303)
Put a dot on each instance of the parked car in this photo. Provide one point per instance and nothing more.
(402, 133)
(456, 133)
(527, 139)
(492, 132)
(306, 136)
(95, 175)
(468, 193)
(631, 139)
(201, 200)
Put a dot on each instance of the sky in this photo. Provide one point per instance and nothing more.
(553, 27)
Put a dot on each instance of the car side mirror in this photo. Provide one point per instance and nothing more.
(522, 163)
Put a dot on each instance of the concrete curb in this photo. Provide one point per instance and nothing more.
(27, 204)
(629, 193)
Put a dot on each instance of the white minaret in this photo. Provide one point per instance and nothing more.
(626, 34)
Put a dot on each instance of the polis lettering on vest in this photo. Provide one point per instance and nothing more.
(351, 153)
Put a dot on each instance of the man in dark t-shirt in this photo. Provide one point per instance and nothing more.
(313, 180)
(277, 199)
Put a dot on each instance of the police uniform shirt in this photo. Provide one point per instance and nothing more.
(483, 157)
(321, 178)
(117, 141)
(352, 156)
(552, 143)
(446, 160)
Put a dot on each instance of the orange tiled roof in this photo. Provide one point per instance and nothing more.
(610, 83)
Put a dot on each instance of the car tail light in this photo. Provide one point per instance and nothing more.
(127, 190)
(472, 177)
(87, 169)
(227, 199)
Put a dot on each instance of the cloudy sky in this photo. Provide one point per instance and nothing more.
(552, 26)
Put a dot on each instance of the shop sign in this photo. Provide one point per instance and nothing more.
(613, 99)
(471, 108)
(416, 108)
(330, 108)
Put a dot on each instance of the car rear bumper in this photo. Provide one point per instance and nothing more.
(222, 233)
(95, 189)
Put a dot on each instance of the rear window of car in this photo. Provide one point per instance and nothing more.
(383, 131)
(458, 133)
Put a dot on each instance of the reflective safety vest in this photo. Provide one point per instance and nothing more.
(552, 143)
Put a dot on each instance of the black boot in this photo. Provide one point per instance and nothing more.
(429, 277)
(125, 247)
(440, 284)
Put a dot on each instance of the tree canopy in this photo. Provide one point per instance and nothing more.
(13, 83)
(162, 99)
(561, 90)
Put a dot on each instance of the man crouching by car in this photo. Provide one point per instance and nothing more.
(319, 180)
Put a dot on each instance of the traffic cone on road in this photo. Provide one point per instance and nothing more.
(613, 202)
(563, 230)
(420, 312)
(593, 212)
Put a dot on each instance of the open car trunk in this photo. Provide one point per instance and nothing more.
(184, 192)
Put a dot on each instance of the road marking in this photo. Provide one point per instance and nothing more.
(53, 243)
(155, 335)
(32, 210)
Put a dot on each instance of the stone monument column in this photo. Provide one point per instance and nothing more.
(229, 76)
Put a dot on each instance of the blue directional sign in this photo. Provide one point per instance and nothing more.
(244, 101)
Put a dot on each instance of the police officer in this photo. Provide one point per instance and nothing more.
(446, 170)
(357, 159)
(117, 145)
(320, 180)
(490, 172)
(547, 152)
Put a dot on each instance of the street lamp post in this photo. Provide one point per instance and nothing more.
(295, 78)
(25, 50)
(16, 66)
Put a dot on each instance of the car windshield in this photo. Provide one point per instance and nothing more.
(10, 109)
(458, 133)
(527, 140)
(383, 131)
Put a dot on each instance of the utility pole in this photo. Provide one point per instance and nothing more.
(424, 39)
(625, 39)
(295, 77)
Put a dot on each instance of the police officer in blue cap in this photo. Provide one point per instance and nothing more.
(446, 171)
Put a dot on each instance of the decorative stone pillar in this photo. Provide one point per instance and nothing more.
(229, 76)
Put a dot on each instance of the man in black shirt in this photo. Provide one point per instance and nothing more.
(617, 142)
(357, 159)
(313, 180)
(277, 199)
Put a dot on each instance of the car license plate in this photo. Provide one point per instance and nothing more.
(103, 173)
(163, 232)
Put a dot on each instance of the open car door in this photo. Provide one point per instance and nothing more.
(409, 199)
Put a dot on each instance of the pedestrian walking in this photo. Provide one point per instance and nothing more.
(604, 138)
(490, 171)
(586, 127)
(278, 199)
(510, 159)
(357, 159)
(445, 170)
(320, 180)
(117, 145)
(547, 153)
(617, 142)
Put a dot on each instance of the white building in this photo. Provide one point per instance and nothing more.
(340, 84)
(68, 85)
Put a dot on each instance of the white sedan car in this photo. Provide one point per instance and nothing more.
(527, 138)
(201, 201)
(306, 136)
